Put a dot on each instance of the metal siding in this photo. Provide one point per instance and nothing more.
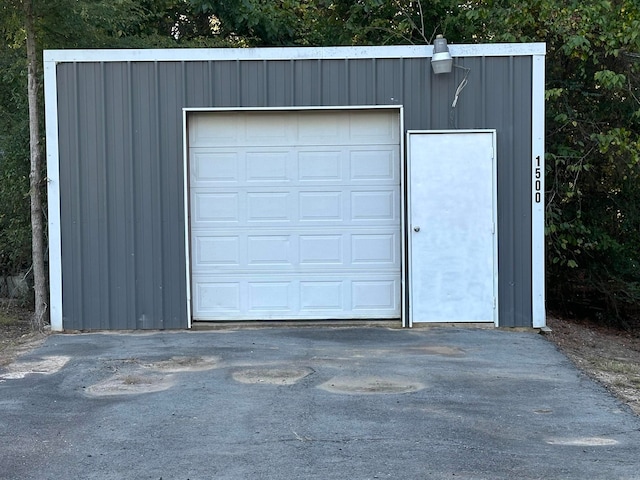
(253, 91)
(307, 86)
(70, 204)
(171, 291)
(468, 108)
(441, 93)
(119, 195)
(514, 131)
(361, 82)
(196, 82)
(279, 83)
(121, 164)
(417, 98)
(146, 193)
(334, 82)
(388, 82)
(91, 143)
(522, 85)
(499, 113)
(224, 84)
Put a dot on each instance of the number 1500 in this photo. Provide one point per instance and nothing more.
(538, 184)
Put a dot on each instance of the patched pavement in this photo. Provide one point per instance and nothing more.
(310, 402)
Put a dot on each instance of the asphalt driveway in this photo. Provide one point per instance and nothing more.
(310, 402)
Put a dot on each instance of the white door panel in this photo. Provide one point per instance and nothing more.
(452, 240)
(283, 251)
(268, 296)
(316, 128)
(307, 165)
(311, 206)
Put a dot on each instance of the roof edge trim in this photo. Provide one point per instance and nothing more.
(290, 53)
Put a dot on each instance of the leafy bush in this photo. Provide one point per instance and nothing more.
(593, 146)
(15, 227)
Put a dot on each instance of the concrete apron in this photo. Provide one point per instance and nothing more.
(315, 402)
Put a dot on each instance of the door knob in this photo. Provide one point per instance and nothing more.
(416, 229)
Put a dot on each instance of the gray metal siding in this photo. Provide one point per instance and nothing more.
(121, 164)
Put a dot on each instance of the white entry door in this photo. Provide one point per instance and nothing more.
(295, 214)
(452, 226)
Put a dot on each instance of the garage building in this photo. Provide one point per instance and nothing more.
(343, 183)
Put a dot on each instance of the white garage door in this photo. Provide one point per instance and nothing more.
(295, 215)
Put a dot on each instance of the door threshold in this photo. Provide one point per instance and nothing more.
(253, 324)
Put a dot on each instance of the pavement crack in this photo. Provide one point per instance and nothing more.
(301, 439)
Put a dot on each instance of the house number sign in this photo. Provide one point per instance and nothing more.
(538, 184)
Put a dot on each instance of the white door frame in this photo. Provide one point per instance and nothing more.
(409, 316)
(187, 223)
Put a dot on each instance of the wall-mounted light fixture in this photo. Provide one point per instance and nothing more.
(441, 62)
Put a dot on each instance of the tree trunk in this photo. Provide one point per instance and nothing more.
(35, 176)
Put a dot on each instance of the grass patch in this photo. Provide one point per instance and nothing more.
(617, 366)
(627, 383)
(8, 320)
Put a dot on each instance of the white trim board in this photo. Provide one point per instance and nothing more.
(290, 53)
(53, 198)
(187, 220)
(293, 108)
(538, 313)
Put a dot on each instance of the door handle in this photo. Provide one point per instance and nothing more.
(416, 229)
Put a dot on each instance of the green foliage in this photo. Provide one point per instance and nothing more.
(126, 24)
(70, 24)
(593, 145)
(381, 22)
(266, 22)
(15, 227)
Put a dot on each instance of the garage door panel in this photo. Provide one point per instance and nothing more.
(276, 130)
(288, 128)
(314, 206)
(216, 130)
(321, 166)
(215, 251)
(375, 205)
(373, 129)
(374, 294)
(268, 166)
(374, 166)
(222, 207)
(218, 167)
(322, 296)
(321, 250)
(375, 249)
(271, 250)
(294, 297)
(282, 251)
(270, 295)
(298, 220)
(275, 166)
(270, 207)
(321, 206)
(322, 128)
(213, 296)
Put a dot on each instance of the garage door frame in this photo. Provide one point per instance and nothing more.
(187, 208)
